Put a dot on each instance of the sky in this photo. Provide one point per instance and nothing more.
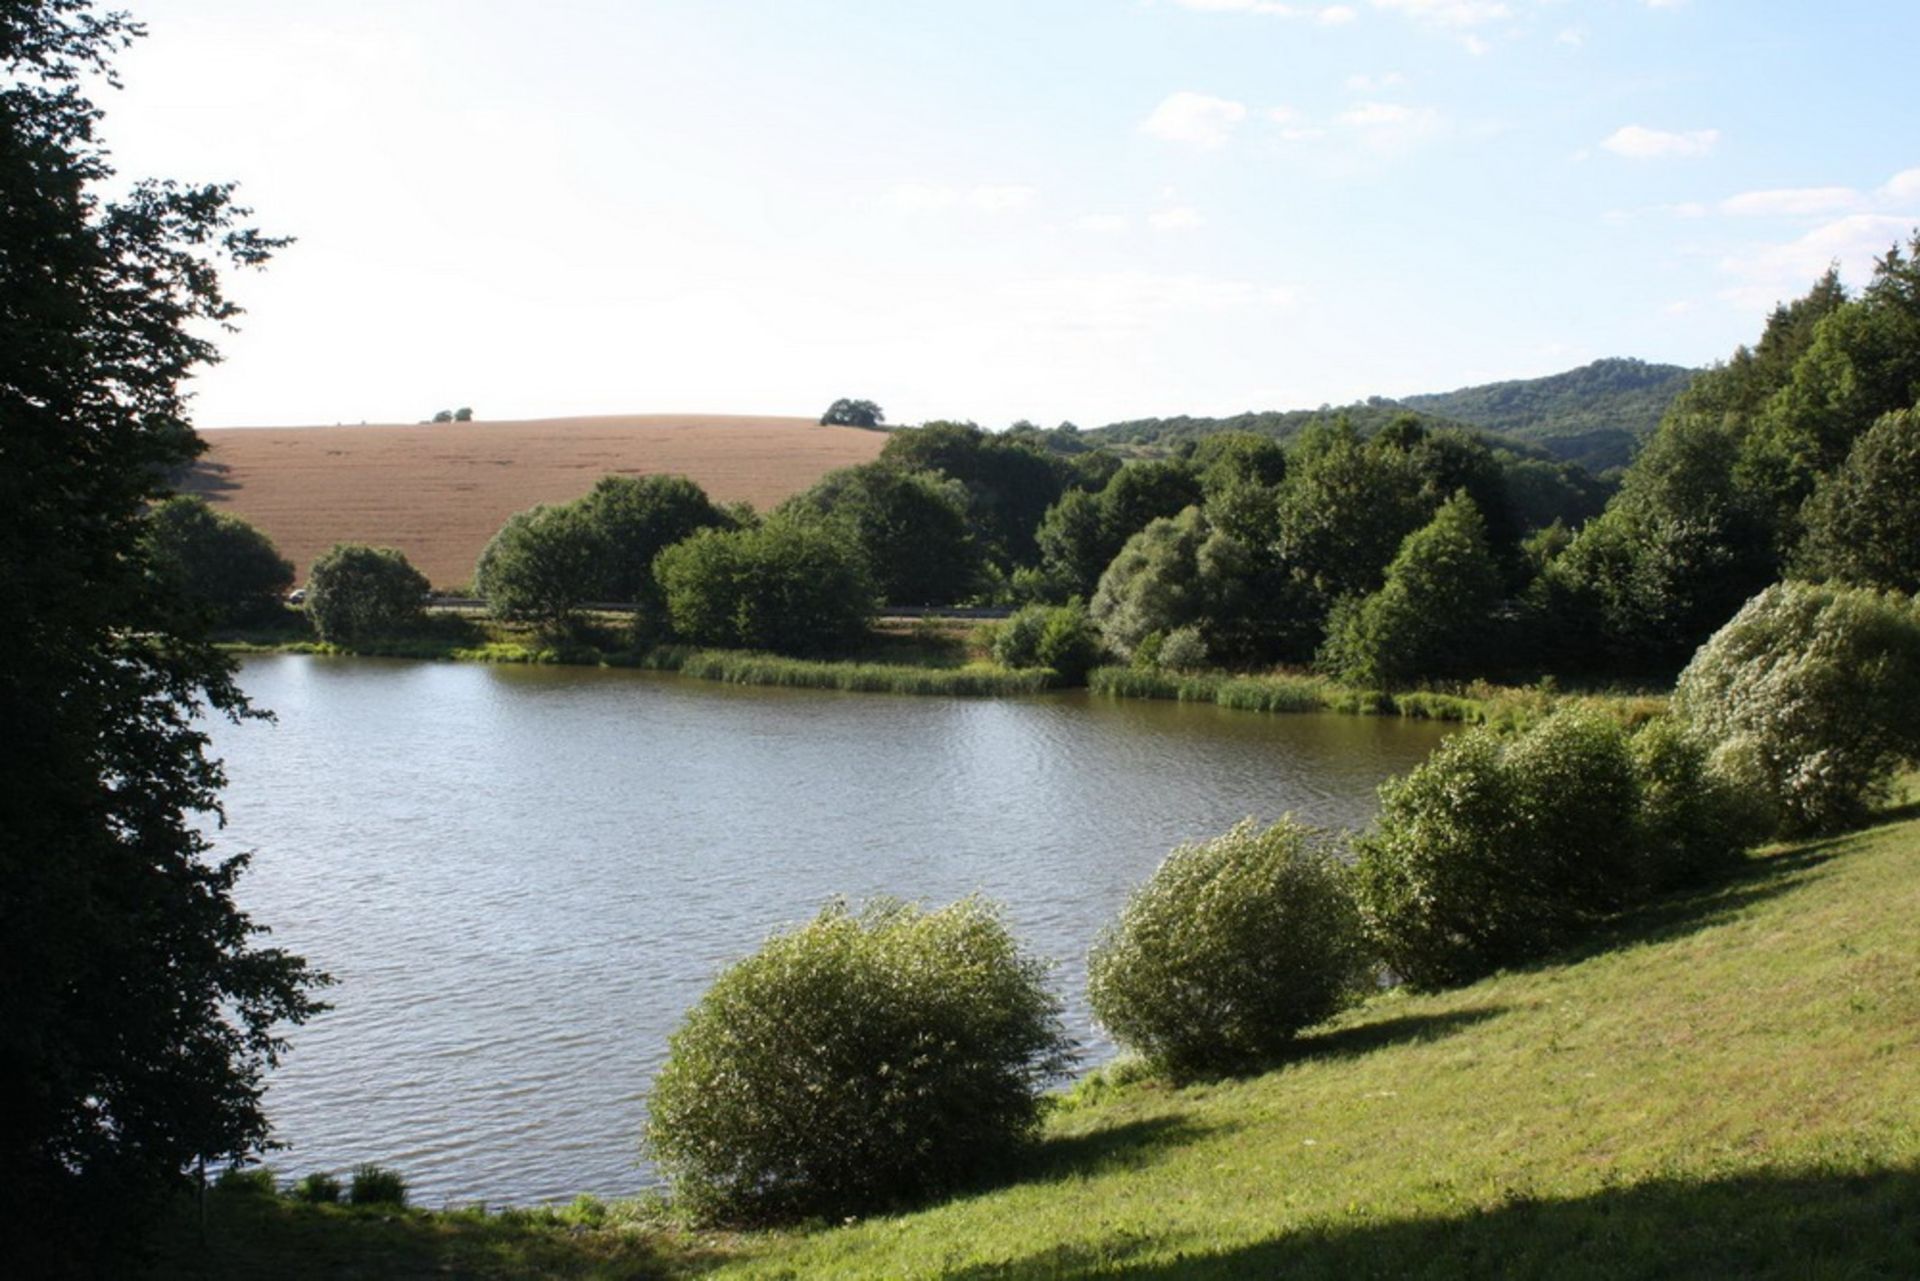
(1084, 210)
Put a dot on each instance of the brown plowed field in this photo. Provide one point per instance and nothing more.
(439, 492)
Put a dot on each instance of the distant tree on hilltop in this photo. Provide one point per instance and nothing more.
(852, 413)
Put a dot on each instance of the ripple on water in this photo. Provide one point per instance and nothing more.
(524, 876)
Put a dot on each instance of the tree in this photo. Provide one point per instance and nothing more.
(910, 525)
(540, 568)
(1439, 594)
(634, 519)
(784, 586)
(1343, 509)
(220, 561)
(139, 1010)
(356, 593)
(1010, 484)
(1863, 521)
(463, 415)
(852, 413)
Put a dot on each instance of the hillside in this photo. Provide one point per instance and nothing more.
(1725, 1086)
(439, 492)
(1595, 415)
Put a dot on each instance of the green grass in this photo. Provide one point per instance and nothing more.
(928, 657)
(1477, 702)
(1725, 1084)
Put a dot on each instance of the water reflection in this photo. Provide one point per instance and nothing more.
(523, 876)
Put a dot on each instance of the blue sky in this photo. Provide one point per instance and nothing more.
(1053, 209)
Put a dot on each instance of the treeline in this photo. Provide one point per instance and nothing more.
(1387, 560)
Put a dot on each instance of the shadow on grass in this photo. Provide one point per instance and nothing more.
(1851, 1226)
(1407, 1029)
(1132, 1146)
(255, 1236)
(1689, 911)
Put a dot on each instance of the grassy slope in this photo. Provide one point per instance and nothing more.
(1728, 1085)
(1733, 1088)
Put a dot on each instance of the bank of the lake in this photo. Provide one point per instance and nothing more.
(1721, 1086)
(524, 874)
(941, 657)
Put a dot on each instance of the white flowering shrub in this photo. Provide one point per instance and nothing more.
(1813, 694)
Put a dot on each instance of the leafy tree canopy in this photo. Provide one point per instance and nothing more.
(217, 559)
(139, 1009)
(852, 413)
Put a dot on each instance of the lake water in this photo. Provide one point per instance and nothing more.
(523, 876)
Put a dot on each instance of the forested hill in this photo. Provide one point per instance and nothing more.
(1594, 415)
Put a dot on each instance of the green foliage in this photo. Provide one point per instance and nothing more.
(216, 560)
(1344, 509)
(1496, 850)
(549, 561)
(634, 519)
(1230, 950)
(911, 526)
(1081, 534)
(783, 586)
(357, 593)
(1432, 614)
(732, 667)
(376, 1185)
(317, 1188)
(541, 566)
(1009, 482)
(1678, 550)
(1697, 818)
(1060, 637)
(1172, 574)
(863, 1060)
(852, 413)
(1183, 650)
(1595, 415)
(1812, 690)
(140, 1008)
(1863, 521)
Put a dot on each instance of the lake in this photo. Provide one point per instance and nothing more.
(523, 876)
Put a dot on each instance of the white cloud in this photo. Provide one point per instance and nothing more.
(1388, 125)
(1364, 83)
(1575, 36)
(925, 197)
(1449, 13)
(1000, 199)
(1330, 15)
(1194, 119)
(1904, 185)
(1637, 142)
(1792, 202)
(1176, 218)
(1105, 224)
(1772, 272)
(1127, 302)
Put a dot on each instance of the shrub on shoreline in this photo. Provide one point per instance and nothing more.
(864, 1059)
(1230, 950)
(1812, 689)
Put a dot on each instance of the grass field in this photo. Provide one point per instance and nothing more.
(438, 492)
(1726, 1085)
